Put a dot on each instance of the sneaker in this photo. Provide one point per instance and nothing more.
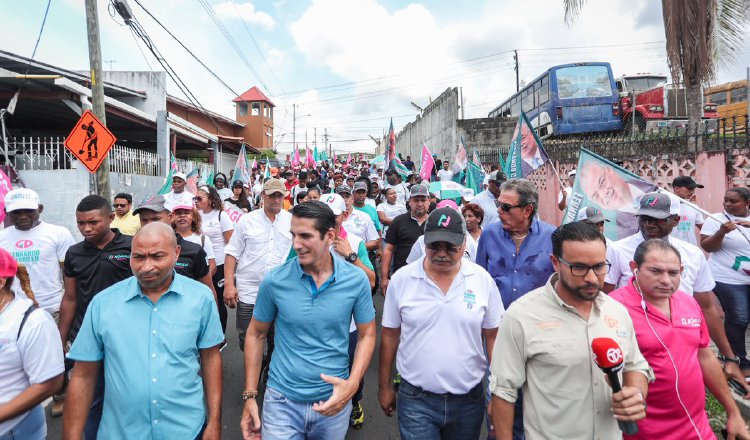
(357, 417)
(57, 408)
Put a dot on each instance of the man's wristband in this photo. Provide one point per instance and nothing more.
(726, 359)
(249, 395)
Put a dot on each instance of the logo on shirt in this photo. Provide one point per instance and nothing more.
(444, 221)
(742, 264)
(119, 257)
(179, 264)
(470, 299)
(24, 244)
(691, 322)
(610, 321)
(26, 256)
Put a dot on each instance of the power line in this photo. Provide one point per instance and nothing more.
(36, 46)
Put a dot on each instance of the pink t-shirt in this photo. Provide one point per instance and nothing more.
(684, 334)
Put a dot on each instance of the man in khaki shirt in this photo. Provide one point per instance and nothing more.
(544, 346)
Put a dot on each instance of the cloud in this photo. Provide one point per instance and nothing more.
(244, 11)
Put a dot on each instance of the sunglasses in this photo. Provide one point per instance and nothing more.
(120, 205)
(506, 207)
(449, 248)
(198, 199)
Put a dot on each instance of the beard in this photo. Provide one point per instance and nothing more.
(579, 292)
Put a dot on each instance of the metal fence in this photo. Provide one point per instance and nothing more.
(674, 138)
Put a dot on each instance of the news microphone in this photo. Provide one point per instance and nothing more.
(608, 357)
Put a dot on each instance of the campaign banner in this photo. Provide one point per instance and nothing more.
(233, 212)
(526, 153)
(428, 163)
(611, 188)
(5, 187)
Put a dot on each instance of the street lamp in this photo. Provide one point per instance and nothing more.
(294, 124)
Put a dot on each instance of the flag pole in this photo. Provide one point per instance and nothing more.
(692, 205)
(562, 184)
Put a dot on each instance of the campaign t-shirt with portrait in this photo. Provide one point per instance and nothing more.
(41, 249)
(731, 263)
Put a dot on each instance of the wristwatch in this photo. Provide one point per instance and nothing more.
(726, 359)
(352, 257)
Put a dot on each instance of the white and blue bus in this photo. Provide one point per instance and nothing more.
(568, 99)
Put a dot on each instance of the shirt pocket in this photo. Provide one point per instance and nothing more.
(561, 366)
(182, 339)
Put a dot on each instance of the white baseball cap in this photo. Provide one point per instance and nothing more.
(21, 198)
(335, 202)
(180, 175)
(467, 194)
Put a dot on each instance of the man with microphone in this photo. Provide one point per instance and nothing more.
(672, 333)
(544, 345)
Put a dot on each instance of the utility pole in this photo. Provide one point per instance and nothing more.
(97, 91)
(315, 136)
(325, 136)
(515, 58)
(294, 126)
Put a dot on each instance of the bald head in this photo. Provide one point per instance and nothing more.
(154, 253)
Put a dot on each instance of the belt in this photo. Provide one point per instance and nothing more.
(446, 395)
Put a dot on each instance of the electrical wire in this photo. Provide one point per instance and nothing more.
(36, 46)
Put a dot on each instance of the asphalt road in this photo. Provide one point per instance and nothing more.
(377, 426)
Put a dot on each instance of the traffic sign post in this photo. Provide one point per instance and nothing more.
(90, 141)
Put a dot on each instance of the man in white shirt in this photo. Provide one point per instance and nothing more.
(487, 199)
(690, 219)
(562, 198)
(261, 241)
(358, 222)
(658, 214)
(445, 174)
(39, 246)
(440, 317)
(179, 195)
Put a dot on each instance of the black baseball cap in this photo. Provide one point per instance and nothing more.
(685, 182)
(445, 224)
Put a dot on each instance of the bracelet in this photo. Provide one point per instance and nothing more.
(249, 395)
(726, 359)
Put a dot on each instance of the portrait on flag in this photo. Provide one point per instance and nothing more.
(614, 190)
(526, 153)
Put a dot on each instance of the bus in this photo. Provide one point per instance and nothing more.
(568, 99)
(731, 101)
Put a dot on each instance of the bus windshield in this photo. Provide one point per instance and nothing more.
(583, 82)
(645, 83)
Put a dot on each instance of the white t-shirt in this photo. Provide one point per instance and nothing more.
(391, 211)
(696, 276)
(214, 225)
(259, 246)
(731, 263)
(568, 191)
(224, 193)
(685, 230)
(40, 249)
(417, 249)
(486, 201)
(361, 225)
(207, 245)
(444, 175)
(172, 199)
(32, 358)
(441, 348)
(370, 202)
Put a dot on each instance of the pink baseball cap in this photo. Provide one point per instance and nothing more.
(447, 204)
(182, 206)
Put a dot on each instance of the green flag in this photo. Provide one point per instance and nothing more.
(167, 188)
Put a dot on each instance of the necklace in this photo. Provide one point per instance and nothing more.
(5, 303)
(519, 238)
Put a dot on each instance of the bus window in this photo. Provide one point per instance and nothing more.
(583, 82)
(515, 107)
(738, 95)
(544, 91)
(528, 99)
(719, 98)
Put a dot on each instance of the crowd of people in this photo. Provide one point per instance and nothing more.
(489, 317)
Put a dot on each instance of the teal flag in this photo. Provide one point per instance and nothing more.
(167, 188)
(526, 153)
(474, 177)
(400, 168)
(316, 157)
(604, 185)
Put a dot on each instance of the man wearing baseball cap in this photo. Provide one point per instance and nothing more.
(441, 393)
(403, 232)
(487, 199)
(594, 216)
(690, 219)
(658, 214)
(179, 195)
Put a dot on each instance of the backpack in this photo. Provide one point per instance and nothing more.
(25, 317)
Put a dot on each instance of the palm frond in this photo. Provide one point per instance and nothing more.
(572, 9)
(688, 28)
(728, 30)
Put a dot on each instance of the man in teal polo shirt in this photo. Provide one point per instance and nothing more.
(311, 300)
(149, 330)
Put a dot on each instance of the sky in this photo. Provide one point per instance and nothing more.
(349, 66)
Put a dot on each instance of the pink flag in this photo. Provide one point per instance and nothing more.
(295, 158)
(428, 163)
(348, 158)
(309, 159)
(5, 187)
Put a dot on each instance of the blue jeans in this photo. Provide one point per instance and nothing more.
(735, 299)
(424, 415)
(287, 420)
(32, 427)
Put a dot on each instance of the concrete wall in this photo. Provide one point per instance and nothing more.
(153, 83)
(61, 190)
(437, 127)
(485, 133)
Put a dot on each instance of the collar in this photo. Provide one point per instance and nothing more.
(336, 261)
(423, 221)
(174, 287)
(550, 289)
(115, 239)
(127, 214)
(533, 228)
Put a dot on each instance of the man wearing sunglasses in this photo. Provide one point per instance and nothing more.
(658, 214)
(127, 222)
(440, 317)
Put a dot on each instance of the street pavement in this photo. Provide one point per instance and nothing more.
(377, 426)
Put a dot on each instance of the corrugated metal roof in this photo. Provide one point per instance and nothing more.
(253, 94)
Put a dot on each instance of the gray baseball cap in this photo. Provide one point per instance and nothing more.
(419, 190)
(658, 205)
(344, 189)
(152, 203)
(360, 186)
(591, 214)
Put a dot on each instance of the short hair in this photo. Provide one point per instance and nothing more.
(742, 192)
(301, 195)
(654, 244)
(474, 209)
(125, 196)
(221, 176)
(574, 231)
(527, 192)
(94, 202)
(323, 215)
(445, 161)
(302, 175)
(313, 188)
(390, 188)
(338, 176)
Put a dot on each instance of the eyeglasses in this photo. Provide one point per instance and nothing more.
(120, 205)
(506, 207)
(449, 248)
(581, 270)
(197, 199)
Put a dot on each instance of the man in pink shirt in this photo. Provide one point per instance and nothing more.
(673, 337)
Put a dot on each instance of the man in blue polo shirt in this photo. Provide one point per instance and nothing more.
(149, 331)
(311, 300)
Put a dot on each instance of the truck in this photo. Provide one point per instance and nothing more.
(648, 102)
